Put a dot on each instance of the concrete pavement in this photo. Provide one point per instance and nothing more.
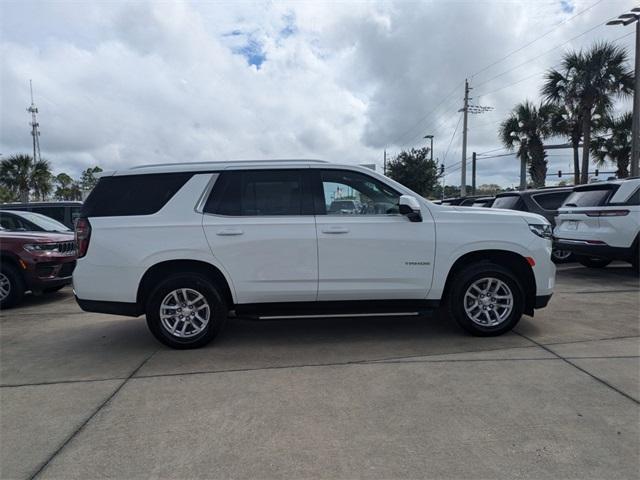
(94, 396)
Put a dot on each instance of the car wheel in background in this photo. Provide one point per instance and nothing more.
(593, 262)
(11, 286)
(486, 299)
(186, 311)
(561, 256)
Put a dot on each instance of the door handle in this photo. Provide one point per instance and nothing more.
(335, 229)
(229, 231)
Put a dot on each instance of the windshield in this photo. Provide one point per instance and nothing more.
(45, 223)
(587, 198)
(508, 201)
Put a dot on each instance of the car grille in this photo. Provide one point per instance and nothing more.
(68, 248)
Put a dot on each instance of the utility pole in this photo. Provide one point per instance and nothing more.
(473, 173)
(465, 110)
(624, 20)
(384, 163)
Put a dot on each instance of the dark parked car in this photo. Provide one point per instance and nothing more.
(544, 201)
(63, 212)
(40, 262)
(461, 201)
(19, 221)
(484, 202)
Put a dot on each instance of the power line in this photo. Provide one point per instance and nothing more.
(536, 39)
(451, 141)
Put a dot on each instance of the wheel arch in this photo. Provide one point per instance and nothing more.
(508, 259)
(162, 269)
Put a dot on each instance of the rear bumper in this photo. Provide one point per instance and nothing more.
(582, 247)
(110, 308)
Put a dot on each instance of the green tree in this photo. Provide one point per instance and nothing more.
(523, 131)
(7, 195)
(614, 145)
(589, 82)
(566, 121)
(20, 175)
(41, 179)
(67, 188)
(415, 170)
(88, 179)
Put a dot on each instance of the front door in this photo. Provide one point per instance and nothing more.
(366, 249)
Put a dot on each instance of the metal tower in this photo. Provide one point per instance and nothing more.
(35, 132)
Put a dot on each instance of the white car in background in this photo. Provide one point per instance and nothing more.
(600, 222)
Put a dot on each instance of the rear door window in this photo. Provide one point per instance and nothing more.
(256, 193)
(133, 194)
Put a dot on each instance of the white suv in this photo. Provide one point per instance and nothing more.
(188, 244)
(600, 222)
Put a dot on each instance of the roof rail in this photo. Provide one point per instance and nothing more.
(286, 160)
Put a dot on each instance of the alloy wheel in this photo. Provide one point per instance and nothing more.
(488, 302)
(5, 286)
(184, 313)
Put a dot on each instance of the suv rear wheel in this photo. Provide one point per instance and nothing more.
(11, 286)
(186, 311)
(594, 262)
(486, 299)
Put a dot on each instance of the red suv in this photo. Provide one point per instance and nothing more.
(40, 262)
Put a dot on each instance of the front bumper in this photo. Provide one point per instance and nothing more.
(44, 273)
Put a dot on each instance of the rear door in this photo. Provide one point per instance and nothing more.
(374, 253)
(260, 226)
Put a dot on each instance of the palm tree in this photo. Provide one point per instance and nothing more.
(615, 143)
(525, 128)
(15, 175)
(20, 174)
(587, 83)
(566, 122)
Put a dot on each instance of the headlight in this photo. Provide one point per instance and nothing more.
(542, 230)
(42, 247)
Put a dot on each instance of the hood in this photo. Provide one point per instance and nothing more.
(37, 237)
(494, 214)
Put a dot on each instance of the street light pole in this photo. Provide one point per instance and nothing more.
(465, 110)
(624, 20)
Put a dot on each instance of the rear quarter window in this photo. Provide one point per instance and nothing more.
(133, 194)
(551, 200)
(510, 202)
(594, 197)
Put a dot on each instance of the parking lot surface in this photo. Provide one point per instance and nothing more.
(92, 396)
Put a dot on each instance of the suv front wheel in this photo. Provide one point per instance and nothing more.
(186, 311)
(486, 299)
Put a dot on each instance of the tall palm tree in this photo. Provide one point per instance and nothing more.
(588, 82)
(614, 145)
(15, 175)
(41, 179)
(20, 174)
(566, 122)
(524, 129)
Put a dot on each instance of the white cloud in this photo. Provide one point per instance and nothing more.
(120, 84)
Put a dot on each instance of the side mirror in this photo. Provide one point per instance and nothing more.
(410, 208)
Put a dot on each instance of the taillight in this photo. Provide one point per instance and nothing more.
(83, 235)
(606, 213)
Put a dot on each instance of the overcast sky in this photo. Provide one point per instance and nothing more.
(126, 83)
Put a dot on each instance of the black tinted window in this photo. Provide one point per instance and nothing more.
(259, 193)
(510, 202)
(634, 199)
(551, 200)
(132, 194)
(57, 213)
(587, 198)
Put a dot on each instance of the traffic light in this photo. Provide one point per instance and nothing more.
(442, 169)
(596, 172)
(559, 173)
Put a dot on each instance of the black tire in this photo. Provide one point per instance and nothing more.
(53, 289)
(561, 256)
(594, 262)
(15, 283)
(195, 282)
(463, 281)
